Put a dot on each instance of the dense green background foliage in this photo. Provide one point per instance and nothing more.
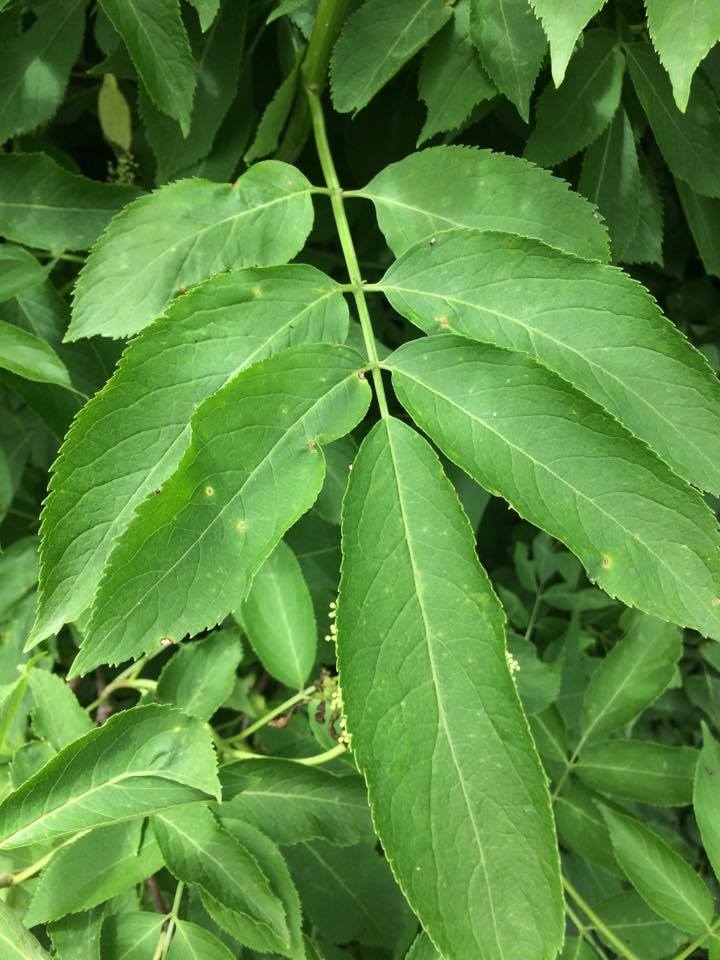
(359, 477)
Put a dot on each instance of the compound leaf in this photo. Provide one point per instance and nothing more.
(590, 323)
(642, 534)
(204, 340)
(443, 188)
(141, 760)
(253, 467)
(183, 233)
(421, 650)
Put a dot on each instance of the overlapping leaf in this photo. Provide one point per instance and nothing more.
(563, 23)
(683, 34)
(425, 683)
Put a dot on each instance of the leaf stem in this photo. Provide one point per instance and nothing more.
(346, 242)
(597, 922)
(584, 931)
(167, 932)
(692, 947)
(271, 714)
(13, 879)
(336, 751)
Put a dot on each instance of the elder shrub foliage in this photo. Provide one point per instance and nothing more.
(359, 468)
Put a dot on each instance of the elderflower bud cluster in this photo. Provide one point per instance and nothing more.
(512, 663)
(332, 636)
(338, 709)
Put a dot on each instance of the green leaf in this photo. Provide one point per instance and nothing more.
(207, 11)
(348, 893)
(275, 868)
(661, 877)
(141, 760)
(484, 190)
(30, 357)
(451, 80)
(99, 865)
(647, 244)
(212, 333)
(339, 458)
(551, 741)
(582, 828)
(512, 47)
(19, 271)
(706, 798)
(200, 676)
(131, 936)
(703, 218)
(423, 949)
(688, 141)
(191, 942)
(642, 534)
(590, 323)
(218, 55)
(45, 205)
(56, 716)
(375, 43)
(639, 927)
(28, 759)
(18, 571)
(291, 802)
(631, 676)
(611, 178)
(577, 949)
(653, 773)
(17, 943)
(421, 650)
(570, 118)
(253, 467)
(35, 65)
(278, 617)
(683, 35)
(563, 23)
(538, 682)
(199, 851)
(183, 233)
(155, 37)
(78, 932)
(114, 114)
(276, 113)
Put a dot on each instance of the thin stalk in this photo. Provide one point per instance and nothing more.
(14, 879)
(584, 932)
(271, 714)
(128, 674)
(346, 242)
(692, 947)
(598, 924)
(322, 757)
(167, 932)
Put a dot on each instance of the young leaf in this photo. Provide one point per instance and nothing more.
(276, 870)
(155, 38)
(278, 617)
(421, 650)
(183, 233)
(212, 334)
(218, 54)
(17, 943)
(451, 80)
(375, 43)
(703, 218)
(611, 178)
(563, 23)
(683, 35)
(191, 942)
(642, 534)
(141, 760)
(199, 851)
(56, 714)
(484, 190)
(631, 676)
(207, 10)
(706, 798)
(114, 114)
(688, 141)
(589, 323)
(99, 865)
(35, 65)
(512, 46)
(253, 467)
(653, 773)
(200, 676)
(570, 118)
(30, 357)
(291, 802)
(44, 205)
(661, 877)
(348, 893)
